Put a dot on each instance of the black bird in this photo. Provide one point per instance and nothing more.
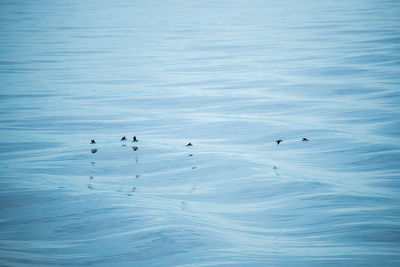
(134, 139)
(304, 139)
(135, 148)
(94, 150)
(93, 142)
(278, 141)
(190, 144)
(123, 138)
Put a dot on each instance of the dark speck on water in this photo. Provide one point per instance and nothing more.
(94, 150)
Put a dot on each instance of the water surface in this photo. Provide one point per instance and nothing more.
(231, 77)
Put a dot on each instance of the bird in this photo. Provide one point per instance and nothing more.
(305, 139)
(94, 150)
(134, 139)
(93, 142)
(278, 141)
(135, 148)
(123, 138)
(190, 144)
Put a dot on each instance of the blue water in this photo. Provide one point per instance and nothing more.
(231, 77)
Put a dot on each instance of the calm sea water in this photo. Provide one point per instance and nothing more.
(231, 77)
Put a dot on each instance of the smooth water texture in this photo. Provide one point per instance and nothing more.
(231, 77)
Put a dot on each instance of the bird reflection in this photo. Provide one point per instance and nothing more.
(276, 172)
(132, 191)
(183, 205)
(193, 188)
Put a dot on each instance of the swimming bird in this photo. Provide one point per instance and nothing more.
(123, 138)
(135, 148)
(94, 150)
(305, 139)
(134, 139)
(278, 141)
(190, 144)
(93, 142)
